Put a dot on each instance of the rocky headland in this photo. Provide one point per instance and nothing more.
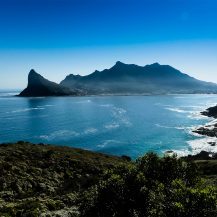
(209, 130)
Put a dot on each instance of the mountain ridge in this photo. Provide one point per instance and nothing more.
(120, 79)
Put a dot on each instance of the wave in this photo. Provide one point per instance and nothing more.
(109, 142)
(106, 105)
(190, 132)
(163, 126)
(192, 114)
(7, 94)
(67, 134)
(112, 126)
(60, 134)
(198, 116)
(180, 97)
(121, 117)
(84, 101)
(190, 106)
(173, 109)
(179, 153)
(30, 109)
(90, 131)
(193, 111)
(212, 122)
(203, 144)
(189, 129)
(46, 106)
(26, 110)
(35, 97)
(118, 111)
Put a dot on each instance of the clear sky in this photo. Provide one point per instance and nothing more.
(59, 37)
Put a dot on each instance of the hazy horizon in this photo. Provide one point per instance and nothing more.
(57, 38)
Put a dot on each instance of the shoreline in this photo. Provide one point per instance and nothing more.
(209, 130)
(202, 155)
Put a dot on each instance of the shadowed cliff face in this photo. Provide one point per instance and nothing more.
(35, 79)
(39, 86)
(120, 79)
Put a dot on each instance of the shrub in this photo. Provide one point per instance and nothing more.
(150, 187)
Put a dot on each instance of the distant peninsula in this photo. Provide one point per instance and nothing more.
(120, 79)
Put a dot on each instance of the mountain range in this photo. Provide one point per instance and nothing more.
(120, 79)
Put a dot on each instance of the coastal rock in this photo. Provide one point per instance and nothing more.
(210, 112)
(212, 143)
(206, 131)
(203, 155)
(210, 129)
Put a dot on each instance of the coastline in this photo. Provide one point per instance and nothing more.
(209, 131)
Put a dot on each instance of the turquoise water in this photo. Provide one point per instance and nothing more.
(119, 125)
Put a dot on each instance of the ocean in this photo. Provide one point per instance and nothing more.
(117, 125)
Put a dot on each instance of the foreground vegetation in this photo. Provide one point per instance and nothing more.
(43, 180)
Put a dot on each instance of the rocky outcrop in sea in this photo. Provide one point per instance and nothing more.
(209, 130)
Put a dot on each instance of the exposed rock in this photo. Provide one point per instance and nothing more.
(210, 112)
(212, 143)
(203, 156)
(208, 130)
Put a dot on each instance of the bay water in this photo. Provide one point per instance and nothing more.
(118, 125)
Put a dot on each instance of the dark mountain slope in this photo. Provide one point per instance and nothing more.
(120, 79)
(39, 86)
(132, 79)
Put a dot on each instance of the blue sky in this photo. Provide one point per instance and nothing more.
(58, 37)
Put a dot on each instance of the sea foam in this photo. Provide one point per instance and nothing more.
(203, 144)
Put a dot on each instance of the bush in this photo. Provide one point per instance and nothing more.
(150, 187)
